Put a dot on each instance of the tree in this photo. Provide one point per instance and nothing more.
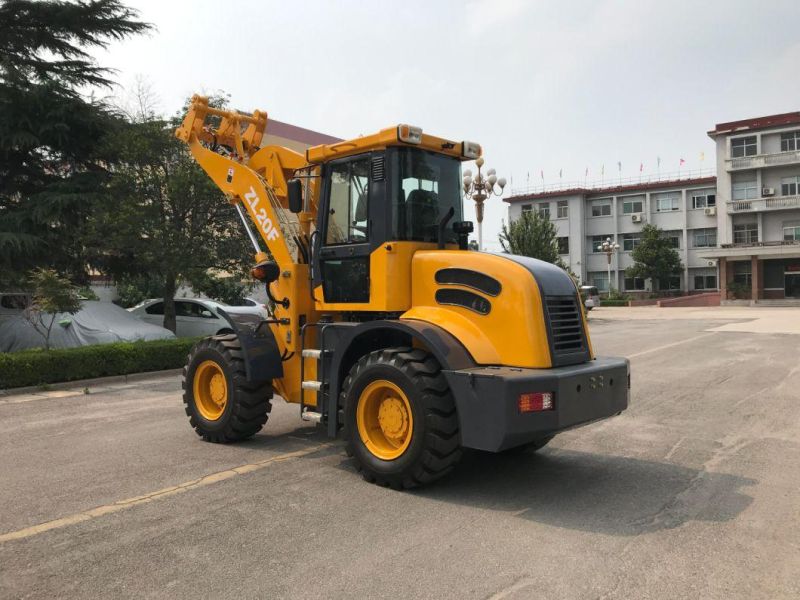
(654, 257)
(164, 219)
(53, 161)
(531, 235)
(52, 294)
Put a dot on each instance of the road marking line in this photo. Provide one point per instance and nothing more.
(157, 495)
(672, 345)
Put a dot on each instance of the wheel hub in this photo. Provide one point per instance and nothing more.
(217, 389)
(210, 388)
(384, 419)
(393, 418)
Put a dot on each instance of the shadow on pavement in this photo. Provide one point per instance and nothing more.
(592, 492)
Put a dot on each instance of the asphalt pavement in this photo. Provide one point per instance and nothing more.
(106, 492)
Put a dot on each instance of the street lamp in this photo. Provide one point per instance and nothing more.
(479, 189)
(609, 248)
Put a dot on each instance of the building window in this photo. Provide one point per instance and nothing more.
(597, 242)
(790, 186)
(668, 202)
(669, 283)
(791, 232)
(745, 190)
(745, 233)
(705, 238)
(744, 146)
(634, 284)
(599, 280)
(705, 282)
(674, 238)
(742, 273)
(703, 200)
(601, 208)
(526, 208)
(630, 241)
(563, 245)
(790, 141)
(544, 210)
(631, 206)
(562, 209)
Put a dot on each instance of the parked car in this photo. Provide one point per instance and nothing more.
(590, 296)
(193, 316)
(95, 323)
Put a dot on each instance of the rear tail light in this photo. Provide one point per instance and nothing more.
(535, 402)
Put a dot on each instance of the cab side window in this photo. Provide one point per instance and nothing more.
(349, 194)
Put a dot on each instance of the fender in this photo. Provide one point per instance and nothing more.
(262, 359)
(353, 341)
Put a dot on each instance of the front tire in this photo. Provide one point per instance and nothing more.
(401, 424)
(221, 404)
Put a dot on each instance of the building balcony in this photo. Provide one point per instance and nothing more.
(760, 161)
(764, 204)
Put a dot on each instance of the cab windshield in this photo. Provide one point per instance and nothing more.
(425, 185)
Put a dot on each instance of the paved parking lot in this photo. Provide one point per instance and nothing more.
(692, 493)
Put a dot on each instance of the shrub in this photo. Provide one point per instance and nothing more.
(613, 302)
(38, 366)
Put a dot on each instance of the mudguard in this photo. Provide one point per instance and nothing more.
(262, 359)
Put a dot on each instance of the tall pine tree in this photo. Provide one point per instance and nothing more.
(53, 158)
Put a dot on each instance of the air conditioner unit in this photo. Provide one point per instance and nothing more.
(711, 211)
(636, 217)
(711, 263)
(767, 191)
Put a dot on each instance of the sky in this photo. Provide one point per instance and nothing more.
(544, 86)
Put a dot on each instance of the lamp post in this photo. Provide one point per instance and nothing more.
(609, 248)
(479, 189)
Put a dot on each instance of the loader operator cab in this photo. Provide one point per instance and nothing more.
(397, 195)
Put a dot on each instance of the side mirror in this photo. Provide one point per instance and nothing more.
(294, 190)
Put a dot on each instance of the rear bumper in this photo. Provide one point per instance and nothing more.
(486, 399)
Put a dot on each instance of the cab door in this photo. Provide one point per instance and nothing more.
(344, 245)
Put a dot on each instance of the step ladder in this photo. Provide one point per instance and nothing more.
(311, 385)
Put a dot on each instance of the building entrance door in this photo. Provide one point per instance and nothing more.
(792, 285)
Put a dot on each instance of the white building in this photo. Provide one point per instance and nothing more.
(742, 226)
(758, 191)
(584, 217)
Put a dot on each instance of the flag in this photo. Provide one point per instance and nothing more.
(560, 173)
(586, 174)
(542, 174)
(641, 166)
(658, 159)
(702, 156)
(602, 170)
(681, 163)
(528, 181)
(619, 166)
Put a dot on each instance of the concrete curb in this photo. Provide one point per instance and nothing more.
(111, 379)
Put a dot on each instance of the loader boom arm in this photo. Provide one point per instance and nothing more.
(251, 176)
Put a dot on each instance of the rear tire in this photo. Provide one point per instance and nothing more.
(221, 404)
(413, 436)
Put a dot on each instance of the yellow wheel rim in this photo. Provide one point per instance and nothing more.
(384, 419)
(210, 390)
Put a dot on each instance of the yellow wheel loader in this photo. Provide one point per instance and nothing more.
(385, 328)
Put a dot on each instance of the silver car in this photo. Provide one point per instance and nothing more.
(193, 316)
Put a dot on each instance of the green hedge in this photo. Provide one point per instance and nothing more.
(613, 302)
(37, 367)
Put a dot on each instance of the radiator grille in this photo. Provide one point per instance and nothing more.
(566, 325)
